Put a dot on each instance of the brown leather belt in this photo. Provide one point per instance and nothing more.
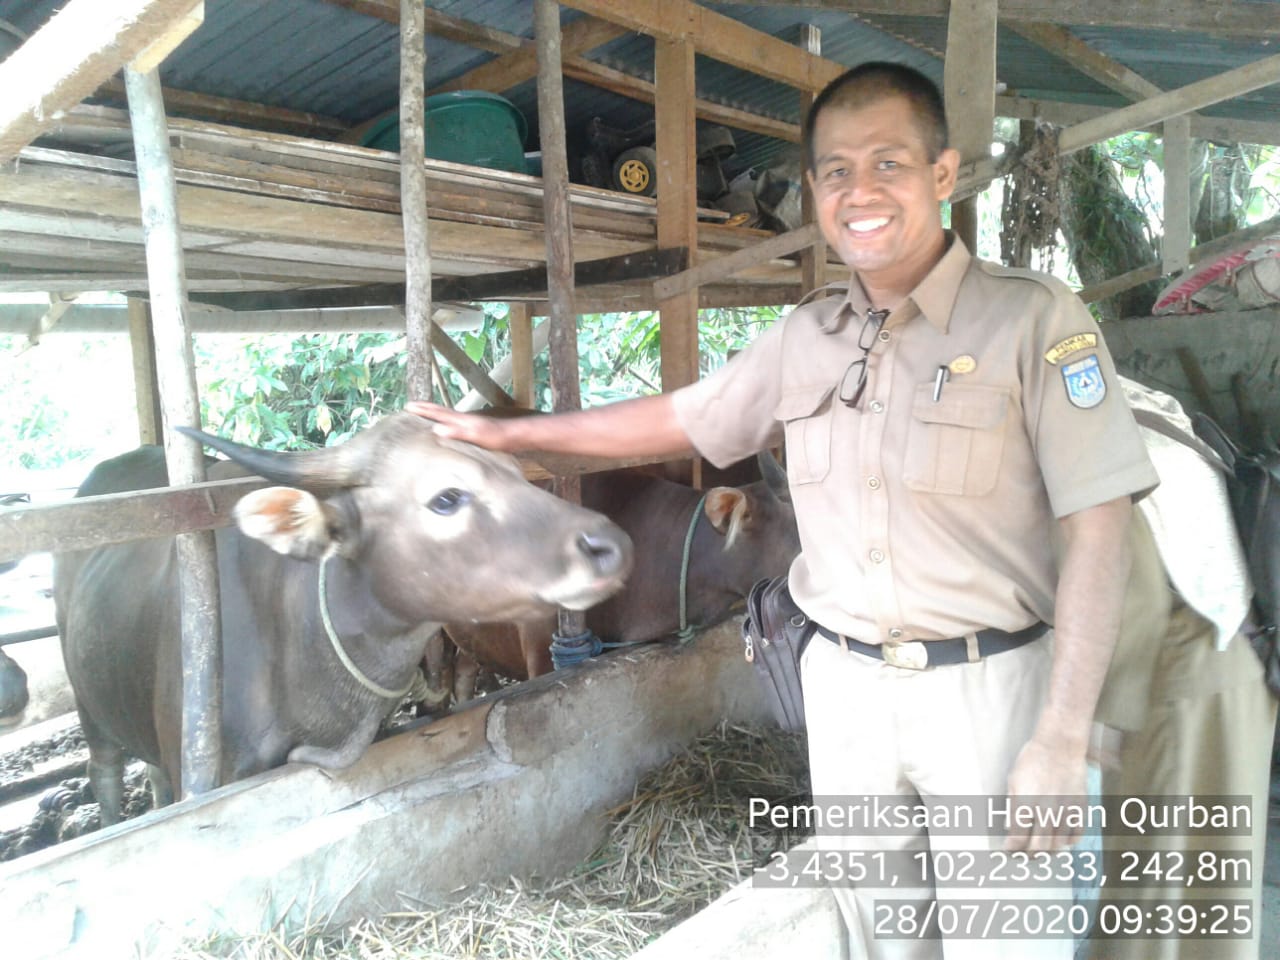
(919, 654)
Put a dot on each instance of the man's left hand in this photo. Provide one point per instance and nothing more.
(1048, 783)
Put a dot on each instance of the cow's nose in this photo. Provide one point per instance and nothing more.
(605, 554)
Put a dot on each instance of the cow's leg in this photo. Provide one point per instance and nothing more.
(161, 786)
(106, 776)
(346, 753)
(465, 671)
(535, 644)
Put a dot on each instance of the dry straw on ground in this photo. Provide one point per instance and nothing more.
(681, 841)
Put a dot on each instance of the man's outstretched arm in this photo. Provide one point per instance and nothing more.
(646, 426)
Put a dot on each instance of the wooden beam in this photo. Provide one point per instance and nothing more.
(677, 203)
(726, 266)
(1224, 86)
(441, 24)
(813, 258)
(624, 84)
(515, 66)
(1239, 18)
(121, 517)
(474, 374)
(419, 329)
(197, 563)
(1154, 271)
(1206, 128)
(239, 112)
(565, 375)
(719, 37)
(69, 57)
(1175, 246)
(520, 323)
(146, 388)
(643, 265)
(520, 65)
(970, 91)
(158, 50)
(1061, 42)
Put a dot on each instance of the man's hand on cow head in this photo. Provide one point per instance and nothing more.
(483, 431)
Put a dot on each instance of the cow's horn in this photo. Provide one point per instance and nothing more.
(774, 475)
(319, 471)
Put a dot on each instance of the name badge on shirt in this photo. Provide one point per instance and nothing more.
(1073, 344)
(1085, 386)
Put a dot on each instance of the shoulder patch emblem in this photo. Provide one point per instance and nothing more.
(1085, 386)
(1064, 348)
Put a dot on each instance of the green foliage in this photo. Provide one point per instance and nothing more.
(287, 393)
(291, 392)
(53, 415)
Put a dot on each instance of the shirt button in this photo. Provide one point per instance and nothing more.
(873, 483)
(895, 634)
(877, 406)
(883, 336)
(877, 556)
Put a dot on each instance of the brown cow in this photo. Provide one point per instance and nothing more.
(330, 588)
(740, 534)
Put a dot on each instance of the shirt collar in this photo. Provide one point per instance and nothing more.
(934, 297)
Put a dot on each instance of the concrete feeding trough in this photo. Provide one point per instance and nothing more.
(515, 784)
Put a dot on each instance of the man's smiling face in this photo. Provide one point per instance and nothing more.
(877, 191)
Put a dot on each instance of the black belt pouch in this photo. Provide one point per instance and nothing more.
(774, 635)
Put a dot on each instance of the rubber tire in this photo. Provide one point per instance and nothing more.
(716, 142)
(635, 171)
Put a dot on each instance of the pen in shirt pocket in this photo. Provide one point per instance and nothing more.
(941, 377)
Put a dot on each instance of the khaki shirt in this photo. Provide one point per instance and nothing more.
(924, 518)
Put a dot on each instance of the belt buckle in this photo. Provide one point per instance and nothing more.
(910, 655)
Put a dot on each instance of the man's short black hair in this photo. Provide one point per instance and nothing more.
(876, 80)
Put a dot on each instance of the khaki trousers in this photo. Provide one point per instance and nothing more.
(879, 730)
(1208, 731)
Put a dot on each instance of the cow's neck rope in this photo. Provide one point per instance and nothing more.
(343, 658)
(568, 651)
(686, 631)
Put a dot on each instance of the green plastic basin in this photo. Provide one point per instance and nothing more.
(465, 126)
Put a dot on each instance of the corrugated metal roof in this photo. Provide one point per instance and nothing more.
(320, 57)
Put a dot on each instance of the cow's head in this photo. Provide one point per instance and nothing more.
(441, 530)
(757, 537)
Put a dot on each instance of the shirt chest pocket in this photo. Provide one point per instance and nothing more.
(954, 446)
(806, 413)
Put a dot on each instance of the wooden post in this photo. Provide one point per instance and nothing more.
(813, 260)
(146, 389)
(175, 369)
(677, 203)
(1175, 248)
(413, 201)
(565, 378)
(970, 86)
(520, 322)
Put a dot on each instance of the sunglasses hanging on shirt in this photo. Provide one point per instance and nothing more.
(851, 393)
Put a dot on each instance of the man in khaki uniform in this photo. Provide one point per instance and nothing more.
(941, 419)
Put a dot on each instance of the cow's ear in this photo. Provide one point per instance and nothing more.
(728, 509)
(288, 520)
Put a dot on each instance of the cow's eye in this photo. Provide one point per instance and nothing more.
(447, 502)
